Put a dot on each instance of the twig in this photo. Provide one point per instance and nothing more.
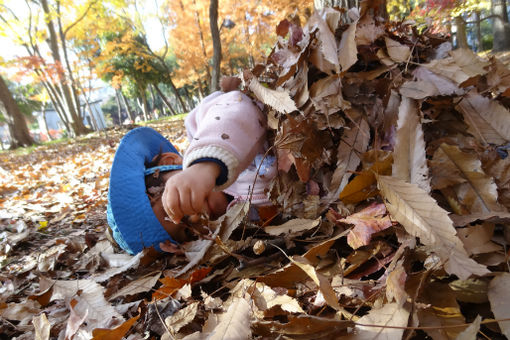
(163, 322)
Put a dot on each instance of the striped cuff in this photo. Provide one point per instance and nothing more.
(223, 155)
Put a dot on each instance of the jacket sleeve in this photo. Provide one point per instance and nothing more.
(227, 127)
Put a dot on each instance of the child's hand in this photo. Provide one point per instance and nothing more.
(186, 192)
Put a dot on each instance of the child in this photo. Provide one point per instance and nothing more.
(227, 134)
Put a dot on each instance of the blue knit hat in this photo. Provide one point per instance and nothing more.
(129, 212)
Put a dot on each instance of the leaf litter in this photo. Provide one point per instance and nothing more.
(390, 221)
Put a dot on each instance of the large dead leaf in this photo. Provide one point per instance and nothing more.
(42, 327)
(499, 297)
(398, 52)
(460, 67)
(116, 333)
(354, 142)
(378, 323)
(347, 51)
(451, 166)
(478, 239)
(421, 216)
(182, 317)
(141, 285)
(305, 327)
(278, 100)
(292, 226)
(326, 56)
(409, 160)
(488, 120)
(366, 222)
(470, 332)
(235, 323)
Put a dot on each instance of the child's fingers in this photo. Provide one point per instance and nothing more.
(171, 203)
(198, 201)
(186, 205)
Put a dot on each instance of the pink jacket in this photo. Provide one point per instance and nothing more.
(231, 128)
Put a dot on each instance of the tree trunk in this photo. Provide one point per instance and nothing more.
(75, 121)
(45, 122)
(128, 108)
(461, 32)
(478, 31)
(119, 110)
(501, 27)
(165, 100)
(202, 41)
(16, 122)
(215, 33)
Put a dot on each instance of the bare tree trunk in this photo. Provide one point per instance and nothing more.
(501, 27)
(215, 33)
(461, 32)
(75, 120)
(165, 100)
(119, 110)
(202, 40)
(15, 120)
(478, 31)
(128, 108)
(45, 122)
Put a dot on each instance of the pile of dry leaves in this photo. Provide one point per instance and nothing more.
(392, 219)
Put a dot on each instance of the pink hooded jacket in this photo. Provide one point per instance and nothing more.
(230, 127)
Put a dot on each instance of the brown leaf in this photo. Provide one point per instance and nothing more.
(488, 120)
(421, 216)
(304, 325)
(409, 160)
(499, 295)
(470, 332)
(366, 222)
(182, 317)
(293, 226)
(354, 141)
(140, 285)
(326, 56)
(42, 327)
(278, 100)
(347, 51)
(418, 89)
(477, 239)
(451, 166)
(116, 333)
(235, 323)
(389, 315)
(398, 52)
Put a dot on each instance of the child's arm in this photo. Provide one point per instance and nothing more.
(226, 131)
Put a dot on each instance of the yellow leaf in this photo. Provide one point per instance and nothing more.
(42, 225)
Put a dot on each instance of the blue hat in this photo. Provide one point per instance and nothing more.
(129, 212)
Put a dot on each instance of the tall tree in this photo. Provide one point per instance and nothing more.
(501, 26)
(16, 122)
(215, 33)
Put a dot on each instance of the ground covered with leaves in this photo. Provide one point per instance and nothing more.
(390, 217)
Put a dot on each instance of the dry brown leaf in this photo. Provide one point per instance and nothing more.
(451, 166)
(390, 315)
(304, 325)
(469, 62)
(477, 239)
(440, 308)
(368, 31)
(488, 120)
(235, 323)
(395, 285)
(278, 100)
(75, 320)
(409, 159)
(471, 290)
(418, 89)
(354, 142)
(140, 285)
(327, 60)
(133, 262)
(499, 297)
(347, 51)
(498, 77)
(367, 222)
(421, 216)
(471, 332)
(493, 216)
(320, 280)
(116, 333)
(293, 226)
(460, 67)
(22, 312)
(266, 298)
(443, 86)
(182, 317)
(91, 300)
(42, 327)
(398, 52)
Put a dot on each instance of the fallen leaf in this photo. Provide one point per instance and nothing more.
(235, 323)
(366, 222)
(182, 317)
(488, 120)
(116, 333)
(409, 160)
(304, 325)
(347, 51)
(42, 327)
(499, 294)
(278, 100)
(471, 332)
(390, 315)
(293, 226)
(422, 217)
(397, 51)
(478, 239)
(395, 285)
(141, 285)
(75, 320)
